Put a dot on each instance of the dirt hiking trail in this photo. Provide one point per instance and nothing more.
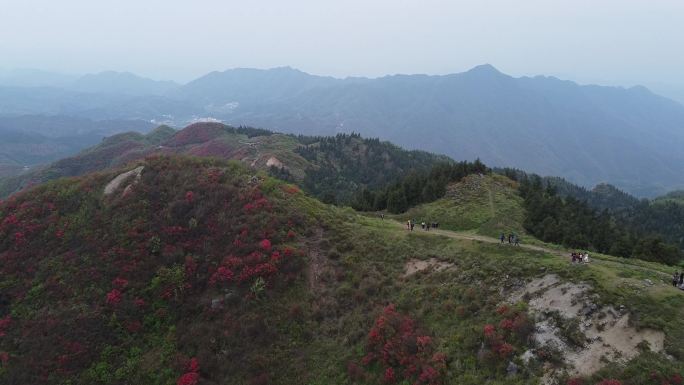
(560, 253)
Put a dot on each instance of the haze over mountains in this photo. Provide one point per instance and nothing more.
(631, 138)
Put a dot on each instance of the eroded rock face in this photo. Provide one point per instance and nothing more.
(114, 185)
(599, 333)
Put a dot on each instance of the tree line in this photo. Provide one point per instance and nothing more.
(416, 187)
(575, 224)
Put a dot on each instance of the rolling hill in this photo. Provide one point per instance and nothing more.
(326, 166)
(176, 270)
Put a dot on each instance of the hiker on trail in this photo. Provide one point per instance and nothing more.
(382, 216)
(510, 238)
(577, 257)
(427, 226)
(408, 225)
(422, 225)
(516, 240)
(503, 236)
(675, 279)
(681, 278)
(412, 224)
(586, 257)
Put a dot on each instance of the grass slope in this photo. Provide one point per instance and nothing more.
(128, 288)
(487, 205)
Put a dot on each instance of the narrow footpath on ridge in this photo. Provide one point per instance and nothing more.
(560, 253)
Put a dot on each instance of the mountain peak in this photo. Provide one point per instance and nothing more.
(485, 69)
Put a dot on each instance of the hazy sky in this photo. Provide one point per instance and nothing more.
(622, 41)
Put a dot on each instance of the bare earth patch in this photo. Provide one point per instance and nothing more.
(415, 265)
(274, 162)
(607, 332)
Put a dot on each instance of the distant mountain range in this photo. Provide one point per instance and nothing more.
(27, 141)
(631, 137)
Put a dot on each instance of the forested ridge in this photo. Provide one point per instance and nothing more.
(660, 219)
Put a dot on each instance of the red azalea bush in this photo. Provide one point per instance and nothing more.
(114, 297)
(397, 346)
(513, 329)
(191, 376)
(190, 231)
(188, 379)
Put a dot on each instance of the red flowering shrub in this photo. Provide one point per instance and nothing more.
(265, 244)
(153, 257)
(676, 379)
(390, 377)
(575, 381)
(513, 328)
(191, 377)
(395, 344)
(114, 297)
(505, 350)
(222, 275)
(188, 379)
(193, 365)
(506, 324)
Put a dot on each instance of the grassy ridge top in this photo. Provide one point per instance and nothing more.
(485, 204)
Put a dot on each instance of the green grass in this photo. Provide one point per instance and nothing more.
(487, 205)
(380, 249)
(309, 331)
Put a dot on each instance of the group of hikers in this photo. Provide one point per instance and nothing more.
(512, 239)
(423, 225)
(579, 257)
(678, 280)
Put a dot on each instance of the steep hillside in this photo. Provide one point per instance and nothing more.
(333, 167)
(187, 271)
